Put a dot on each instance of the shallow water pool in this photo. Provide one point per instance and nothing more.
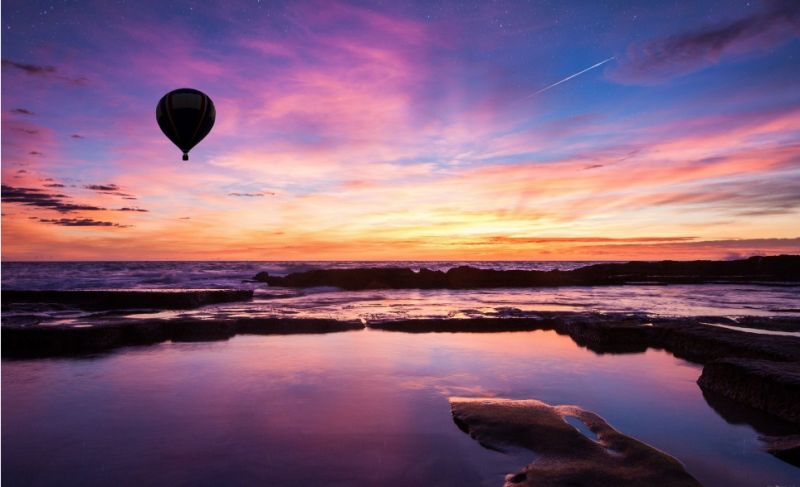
(356, 408)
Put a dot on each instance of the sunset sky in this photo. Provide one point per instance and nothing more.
(400, 130)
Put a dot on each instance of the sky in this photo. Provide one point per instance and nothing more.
(541, 130)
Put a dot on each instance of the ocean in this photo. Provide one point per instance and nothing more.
(713, 300)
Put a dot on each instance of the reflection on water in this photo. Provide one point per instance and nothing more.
(356, 408)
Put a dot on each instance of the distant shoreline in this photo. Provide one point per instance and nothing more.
(774, 269)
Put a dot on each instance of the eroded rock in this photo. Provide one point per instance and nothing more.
(564, 455)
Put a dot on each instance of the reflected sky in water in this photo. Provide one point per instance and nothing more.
(357, 408)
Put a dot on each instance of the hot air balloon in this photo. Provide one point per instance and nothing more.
(186, 117)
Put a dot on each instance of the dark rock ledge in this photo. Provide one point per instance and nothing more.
(767, 385)
(129, 298)
(775, 269)
(65, 340)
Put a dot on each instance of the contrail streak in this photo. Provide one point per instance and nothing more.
(570, 77)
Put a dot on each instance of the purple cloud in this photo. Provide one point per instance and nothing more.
(677, 55)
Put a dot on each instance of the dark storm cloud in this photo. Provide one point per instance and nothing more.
(42, 199)
(22, 111)
(661, 59)
(44, 71)
(79, 222)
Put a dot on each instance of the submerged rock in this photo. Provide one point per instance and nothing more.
(565, 455)
(782, 268)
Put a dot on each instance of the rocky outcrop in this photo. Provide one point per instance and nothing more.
(565, 455)
(129, 298)
(766, 385)
(783, 268)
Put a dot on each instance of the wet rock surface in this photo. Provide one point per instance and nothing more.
(564, 454)
(783, 268)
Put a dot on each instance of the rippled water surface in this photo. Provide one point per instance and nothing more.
(356, 408)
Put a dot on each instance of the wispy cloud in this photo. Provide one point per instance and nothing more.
(659, 60)
(102, 187)
(42, 199)
(248, 195)
(43, 71)
(80, 222)
(133, 209)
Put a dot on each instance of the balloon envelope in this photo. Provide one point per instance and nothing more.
(185, 116)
